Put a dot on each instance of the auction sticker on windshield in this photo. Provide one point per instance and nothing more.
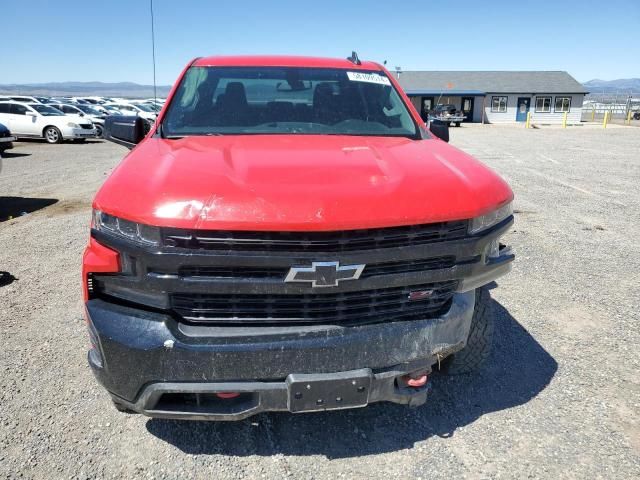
(368, 77)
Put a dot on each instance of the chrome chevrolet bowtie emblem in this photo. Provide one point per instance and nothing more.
(324, 274)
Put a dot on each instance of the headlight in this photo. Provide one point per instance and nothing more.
(73, 125)
(490, 219)
(136, 232)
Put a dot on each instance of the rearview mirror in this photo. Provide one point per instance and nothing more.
(440, 129)
(125, 130)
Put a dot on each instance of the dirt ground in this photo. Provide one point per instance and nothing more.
(559, 397)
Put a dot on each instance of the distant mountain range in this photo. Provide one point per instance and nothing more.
(120, 89)
(623, 85)
(135, 90)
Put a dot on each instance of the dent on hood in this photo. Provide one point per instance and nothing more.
(183, 210)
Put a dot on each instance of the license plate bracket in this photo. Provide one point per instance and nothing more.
(331, 391)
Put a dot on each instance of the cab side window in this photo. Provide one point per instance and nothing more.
(4, 107)
(18, 109)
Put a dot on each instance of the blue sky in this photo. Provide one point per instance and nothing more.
(65, 40)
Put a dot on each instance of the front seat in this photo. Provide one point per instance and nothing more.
(233, 107)
(324, 108)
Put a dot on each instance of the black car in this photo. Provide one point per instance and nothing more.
(6, 139)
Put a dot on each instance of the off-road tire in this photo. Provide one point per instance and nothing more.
(52, 135)
(480, 340)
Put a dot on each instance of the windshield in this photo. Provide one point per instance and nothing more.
(45, 110)
(285, 100)
(89, 110)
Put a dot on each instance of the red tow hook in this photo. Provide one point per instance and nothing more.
(415, 382)
(227, 395)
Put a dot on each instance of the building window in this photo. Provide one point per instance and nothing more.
(499, 104)
(563, 104)
(543, 104)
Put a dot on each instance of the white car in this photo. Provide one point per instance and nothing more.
(138, 109)
(88, 111)
(25, 99)
(35, 120)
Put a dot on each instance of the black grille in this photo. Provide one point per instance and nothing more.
(86, 126)
(349, 308)
(386, 268)
(342, 241)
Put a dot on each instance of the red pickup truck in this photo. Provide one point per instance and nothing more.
(288, 236)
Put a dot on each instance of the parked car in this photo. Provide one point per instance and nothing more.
(96, 117)
(89, 100)
(448, 114)
(309, 247)
(24, 99)
(138, 109)
(35, 120)
(111, 110)
(6, 138)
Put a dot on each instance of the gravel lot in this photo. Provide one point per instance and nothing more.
(560, 396)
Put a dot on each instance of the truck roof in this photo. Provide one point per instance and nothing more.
(282, 61)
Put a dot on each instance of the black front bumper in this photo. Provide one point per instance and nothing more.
(144, 359)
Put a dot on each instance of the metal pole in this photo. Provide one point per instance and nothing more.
(153, 50)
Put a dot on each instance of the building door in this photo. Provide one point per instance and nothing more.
(467, 109)
(523, 108)
(425, 107)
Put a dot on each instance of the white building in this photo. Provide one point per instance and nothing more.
(498, 97)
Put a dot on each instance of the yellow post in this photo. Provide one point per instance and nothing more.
(606, 120)
(593, 114)
(629, 117)
(528, 123)
(564, 120)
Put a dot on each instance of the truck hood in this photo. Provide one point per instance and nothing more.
(298, 182)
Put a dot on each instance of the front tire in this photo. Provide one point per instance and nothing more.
(480, 339)
(52, 135)
(99, 131)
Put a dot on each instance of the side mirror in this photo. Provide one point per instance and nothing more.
(124, 130)
(30, 113)
(440, 129)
